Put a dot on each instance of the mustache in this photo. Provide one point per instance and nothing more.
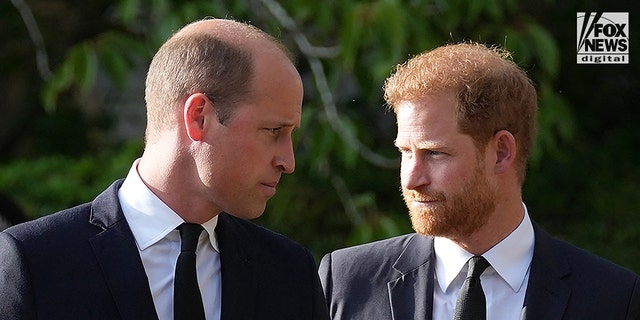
(412, 195)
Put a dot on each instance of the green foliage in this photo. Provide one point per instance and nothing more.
(48, 184)
(341, 194)
(61, 80)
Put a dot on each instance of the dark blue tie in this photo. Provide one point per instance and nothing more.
(471, 303)
(187, 300)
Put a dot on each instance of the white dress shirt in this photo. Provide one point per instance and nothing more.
(504, 282)
(153, 225)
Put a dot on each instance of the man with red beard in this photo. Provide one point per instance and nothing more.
(466, 117)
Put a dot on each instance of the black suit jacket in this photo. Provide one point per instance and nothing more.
(82, 263)
(394, 279)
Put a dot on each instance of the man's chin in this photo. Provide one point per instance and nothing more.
(248, 214)
(438, 229)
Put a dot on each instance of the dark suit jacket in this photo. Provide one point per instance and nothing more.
(394, 279)
(82, 263)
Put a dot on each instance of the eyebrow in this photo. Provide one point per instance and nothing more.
(280, 124)
(422, 145)
(288, 124)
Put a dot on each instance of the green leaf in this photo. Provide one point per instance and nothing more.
(60, 81)
(85, 62)
(351, 35)
(392, 29)
(546, 49)
(127, 11)
(556, 124)
(128, 45)
(520, 48)
(116, 66)
(166, 29)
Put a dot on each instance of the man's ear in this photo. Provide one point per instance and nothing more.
(505, 148)
(195, 111)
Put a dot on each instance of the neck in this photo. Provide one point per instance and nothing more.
(167, 172)
(504, 220)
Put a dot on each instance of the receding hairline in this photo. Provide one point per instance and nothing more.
(228, 30)
(236, 33)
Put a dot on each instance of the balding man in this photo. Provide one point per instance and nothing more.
(223, 99)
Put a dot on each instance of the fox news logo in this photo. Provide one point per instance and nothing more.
(603, 37)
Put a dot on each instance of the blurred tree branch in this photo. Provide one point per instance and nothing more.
(42, 58)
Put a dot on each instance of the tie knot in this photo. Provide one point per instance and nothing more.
(189, 234)
(477, 265)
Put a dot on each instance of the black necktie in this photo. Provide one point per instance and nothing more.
(471, 303)
(187, 301)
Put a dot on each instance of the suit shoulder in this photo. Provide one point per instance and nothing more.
(73, 223)
(355, 279)
(380, 248)
(580, 262)
(376, 246)
(44, 243)
(597, 265)
(45, 228)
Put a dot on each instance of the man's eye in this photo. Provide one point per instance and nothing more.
(435, 154)
(273, 130)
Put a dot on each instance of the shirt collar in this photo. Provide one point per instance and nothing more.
(510, 258)
(149, 218)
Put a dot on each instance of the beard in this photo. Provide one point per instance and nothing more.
(453, 215)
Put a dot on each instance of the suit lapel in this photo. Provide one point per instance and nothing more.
(239, 277)
(547, 291)
(116, 252)
(411, 294)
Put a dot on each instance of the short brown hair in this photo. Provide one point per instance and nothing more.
(492, 92)
(215, 62)
(196, 63)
